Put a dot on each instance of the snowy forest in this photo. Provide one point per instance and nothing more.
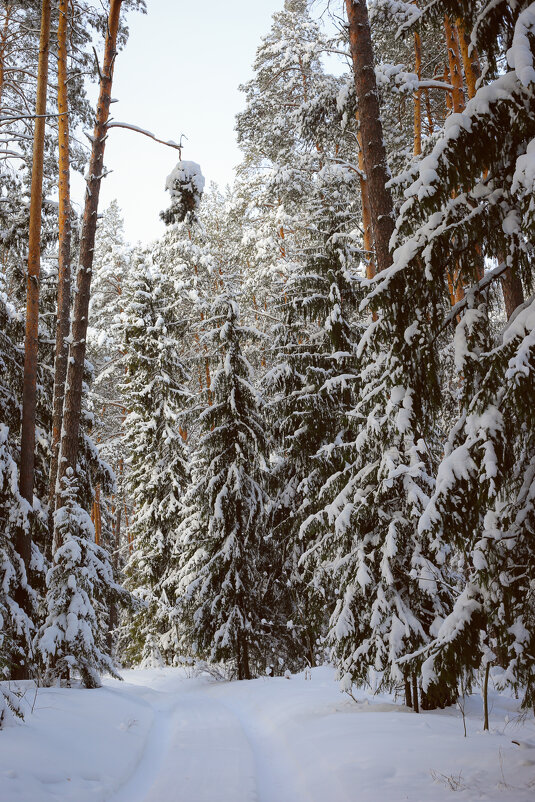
(298, 429)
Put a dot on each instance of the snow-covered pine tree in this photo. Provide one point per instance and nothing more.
(17, 626)
(312, 385)
(80, 577)
(411, 81)
(483, 503)
(185, 185)
(155, 394)
(113, 260)
(389, 582)
(391, 591)
(291, 129)
(223, 549)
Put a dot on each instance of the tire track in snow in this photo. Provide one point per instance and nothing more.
(196, 751)
(278, 777)
(138, 785)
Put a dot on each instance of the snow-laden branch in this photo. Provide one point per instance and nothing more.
(395, 78)
(139, 130)
(481, 285)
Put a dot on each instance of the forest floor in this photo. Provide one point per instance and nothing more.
(163, 736)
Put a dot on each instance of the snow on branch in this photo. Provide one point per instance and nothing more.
(394, 77)
(143, 131)
(483, 284)
(520, 55)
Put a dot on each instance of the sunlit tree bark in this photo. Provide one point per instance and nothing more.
(73, 393)
(27, 459)
(64, 261)
(373, 148)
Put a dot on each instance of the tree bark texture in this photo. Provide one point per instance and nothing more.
(373, 147)
(366, 212)
(471, 65)
(64, 260)
(29, 393)
(75, 369)
(513, 292)
(454, 61)
(418, 96)
(3, 45)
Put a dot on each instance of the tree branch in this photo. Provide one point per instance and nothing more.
(136, 128)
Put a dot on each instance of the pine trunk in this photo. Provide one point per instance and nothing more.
(3, 45)
(29, 393)
(64, 260)
(75, 370)
(366, 212)
(373, 148)
(471, 65)
(418, 96)
(454, 61)
(513, 293)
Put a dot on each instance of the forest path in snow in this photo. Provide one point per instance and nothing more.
(203, 745)
(163, 735)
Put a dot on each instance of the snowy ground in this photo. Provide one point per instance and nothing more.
(160, 735)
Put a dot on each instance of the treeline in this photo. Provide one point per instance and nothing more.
(316, 390)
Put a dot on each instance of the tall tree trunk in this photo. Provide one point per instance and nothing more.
(64, 262)
(3, 45)
(449, 101)
(75, 369)
(454, 61)
(114, 618)
(29, 393)
(471, 65)
(366, 212)
(457, 105)
(373, 148)
(513, 292)
(417, 149)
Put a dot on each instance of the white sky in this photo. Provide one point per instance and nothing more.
(179, 73)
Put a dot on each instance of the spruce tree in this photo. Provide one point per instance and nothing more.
(223, 545)
(473, 187)
(312, 385)
(155, 394)
(81, 578)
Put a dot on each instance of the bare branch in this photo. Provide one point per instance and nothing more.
(139, 130)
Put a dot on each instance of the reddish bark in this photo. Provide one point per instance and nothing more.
(513, 293)
(29, 396)
(367, 238)
(64, 260)
(373, 148)
(3, 45)
(454, 61)
(471, 65)
(417, 149)
(75, 369)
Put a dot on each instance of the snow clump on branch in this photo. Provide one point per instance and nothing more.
(185, 185)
